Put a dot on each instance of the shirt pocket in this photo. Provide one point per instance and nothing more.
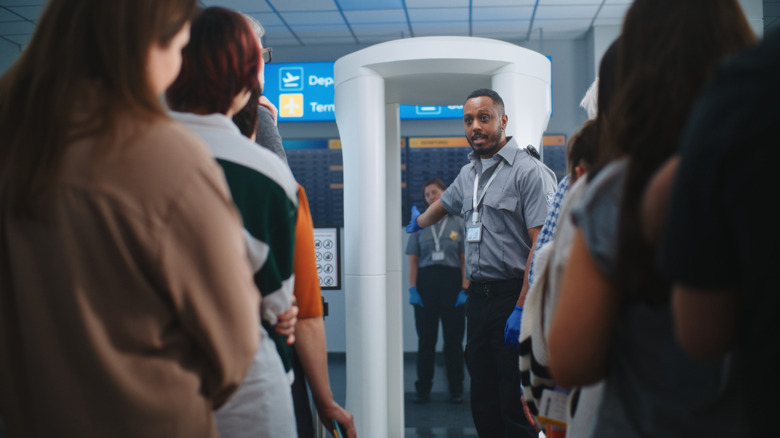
(497, 209)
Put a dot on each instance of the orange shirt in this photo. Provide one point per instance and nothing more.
(307, 282)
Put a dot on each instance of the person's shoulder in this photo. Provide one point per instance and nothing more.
(270, 165)
(172, 143)
(156, 161)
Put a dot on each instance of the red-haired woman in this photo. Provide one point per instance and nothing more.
(221, 66)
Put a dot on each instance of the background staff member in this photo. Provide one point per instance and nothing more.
(503, 195)
(437, 280)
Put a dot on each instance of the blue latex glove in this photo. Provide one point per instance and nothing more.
(412, 227)
(414, 297)
(461, 298)
(512, 328)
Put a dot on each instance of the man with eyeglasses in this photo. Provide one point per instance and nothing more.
(310, 361)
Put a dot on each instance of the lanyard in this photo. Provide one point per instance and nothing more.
(477, 201)
(437, 236)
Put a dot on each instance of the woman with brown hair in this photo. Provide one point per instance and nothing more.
(127, 307)
(613, 319)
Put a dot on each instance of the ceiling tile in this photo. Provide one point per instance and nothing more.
(330, 31)
(414, 4)
(23, 2)
(356, 5)
(518, 28)
(6, 15)
(555, 35)
(438, 14)
(479, 4)
(613, 11)
(376, 16)
(18, 28)
(565, 12)
(377, 28)
(562, 25)
(327, 41)
(312, 18)
(449, 28)
(302, 5)
(29, 12)
(608, 22)
(245, 6)
(267, 19)
(570, 3)
(503, 13)
(22, 40)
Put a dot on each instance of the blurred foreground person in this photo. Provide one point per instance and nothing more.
(127, 308)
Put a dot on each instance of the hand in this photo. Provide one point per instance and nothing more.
(414, 297)
(461, 298)
(512, 328)
(332, 411)
(286, 323)
(264, 102)
(412, 227)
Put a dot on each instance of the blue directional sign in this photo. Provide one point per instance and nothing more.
(303, 92)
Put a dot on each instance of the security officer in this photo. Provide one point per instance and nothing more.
(503, 195)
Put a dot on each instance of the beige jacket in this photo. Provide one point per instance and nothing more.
(131, 310)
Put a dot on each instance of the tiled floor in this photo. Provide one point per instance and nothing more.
(439, 418)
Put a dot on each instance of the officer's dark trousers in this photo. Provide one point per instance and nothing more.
(439, 287)
(496, 405)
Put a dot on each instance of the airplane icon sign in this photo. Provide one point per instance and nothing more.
(291, 105)
(290, 79)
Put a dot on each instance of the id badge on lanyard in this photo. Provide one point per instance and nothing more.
(438, 254)
(474, 232)
(474, 227)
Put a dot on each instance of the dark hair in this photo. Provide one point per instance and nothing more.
(487, 92)
(432, 181)
(668, 50)
(90, 56)
(583, 146)
(221, 60)
(604, 99)
(247, 118)
(607, 79)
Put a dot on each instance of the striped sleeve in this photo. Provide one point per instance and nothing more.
(269, 217)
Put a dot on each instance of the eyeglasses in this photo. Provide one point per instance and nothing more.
(267, 51)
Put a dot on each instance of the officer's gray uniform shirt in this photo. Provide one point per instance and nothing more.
(517, 199)
(450, 233)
